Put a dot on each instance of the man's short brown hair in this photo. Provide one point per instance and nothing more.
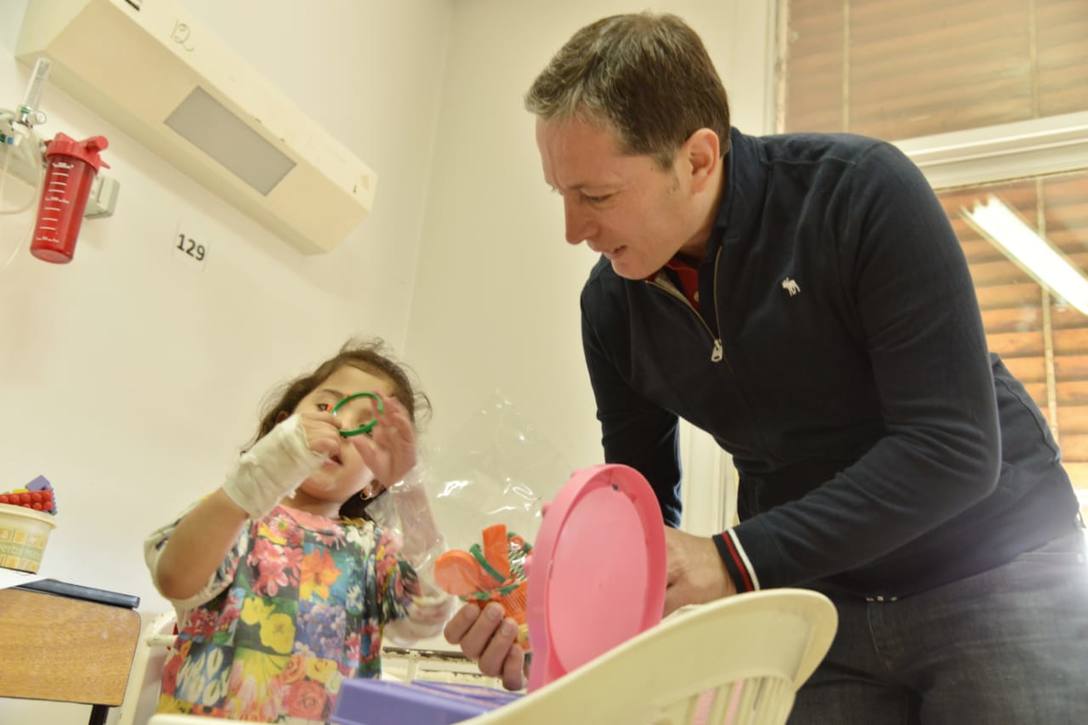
(646, 75)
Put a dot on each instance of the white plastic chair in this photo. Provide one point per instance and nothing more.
(142, 691)
(739, 660)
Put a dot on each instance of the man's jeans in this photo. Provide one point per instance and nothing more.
(1008, 645)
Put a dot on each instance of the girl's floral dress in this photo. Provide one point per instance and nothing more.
(298, 605)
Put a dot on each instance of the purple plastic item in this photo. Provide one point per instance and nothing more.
(380, 702)
(478, 693)
(41, 483)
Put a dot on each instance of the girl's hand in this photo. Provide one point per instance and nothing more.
(390, 451)
(279, 462)
(322, 430)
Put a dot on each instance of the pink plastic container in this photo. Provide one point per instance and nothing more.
(596, 579)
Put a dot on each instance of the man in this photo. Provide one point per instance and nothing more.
(803, 298)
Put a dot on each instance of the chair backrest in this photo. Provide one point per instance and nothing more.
(737, 660)
(142, 692)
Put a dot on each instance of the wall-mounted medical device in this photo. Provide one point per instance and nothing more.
(147, 67)
(62, 173)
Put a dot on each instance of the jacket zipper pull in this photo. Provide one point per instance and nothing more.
(717, 353)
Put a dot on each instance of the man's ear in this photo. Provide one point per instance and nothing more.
(701, 154)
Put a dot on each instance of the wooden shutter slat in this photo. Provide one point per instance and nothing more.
(1073, 392)
(1013, 319)
(1017, 344)
(1008, 295)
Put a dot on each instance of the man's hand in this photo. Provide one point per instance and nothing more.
(488, 639)
(696, 573)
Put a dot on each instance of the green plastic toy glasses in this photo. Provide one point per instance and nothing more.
(365, 428)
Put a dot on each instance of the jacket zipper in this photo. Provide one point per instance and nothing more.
(717, 352)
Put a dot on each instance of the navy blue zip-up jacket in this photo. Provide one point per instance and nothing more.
(881, 449)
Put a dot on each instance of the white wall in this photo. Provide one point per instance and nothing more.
(131, 376)
(496, 303)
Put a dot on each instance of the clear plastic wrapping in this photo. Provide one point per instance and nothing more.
(484, 510)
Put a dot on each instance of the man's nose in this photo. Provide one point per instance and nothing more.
(579, 226)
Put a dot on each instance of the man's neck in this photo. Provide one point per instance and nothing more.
(695, 250)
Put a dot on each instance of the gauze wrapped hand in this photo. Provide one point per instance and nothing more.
(272, 469)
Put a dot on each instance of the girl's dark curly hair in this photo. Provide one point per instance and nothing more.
(369, 356)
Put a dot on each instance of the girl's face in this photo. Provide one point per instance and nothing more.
(344, 475)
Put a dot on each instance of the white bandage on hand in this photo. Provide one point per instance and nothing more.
(272, 469)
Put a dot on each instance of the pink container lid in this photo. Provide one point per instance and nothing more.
(597, 574)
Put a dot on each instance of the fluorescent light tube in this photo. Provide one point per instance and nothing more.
(1045, 264)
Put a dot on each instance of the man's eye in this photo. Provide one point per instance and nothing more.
(322, 407)
(596, 199)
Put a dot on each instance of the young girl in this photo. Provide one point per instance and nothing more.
(282, 588)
